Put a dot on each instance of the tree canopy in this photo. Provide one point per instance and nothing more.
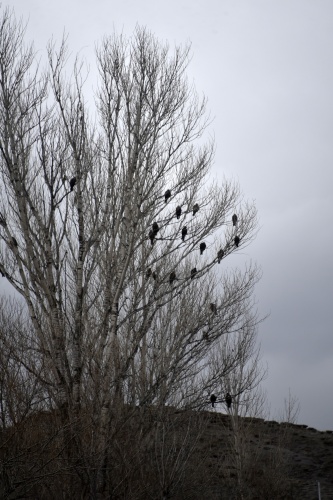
(106, 209)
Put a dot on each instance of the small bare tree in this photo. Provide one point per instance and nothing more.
(258, 455)
(112, 232)
(238, 390)
(291, 409)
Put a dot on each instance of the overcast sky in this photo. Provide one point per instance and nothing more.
(266, 67)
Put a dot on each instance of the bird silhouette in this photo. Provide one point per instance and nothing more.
(234, 220)
(228, 400)
(172, 277)
(178, 212)
(193, 272)
(202, 247)
(72, 183)
(220, 254)
(237, 240)
(213, 308)
(155, 228)
(167, 195)
(151, 237)
(213, 399)
(184, 233)
(195, 208)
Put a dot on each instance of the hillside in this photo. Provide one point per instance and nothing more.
(288, 460)
(164, 453)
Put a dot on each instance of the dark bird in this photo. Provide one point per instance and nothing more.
(234, 220)
(151, 236)
(202, 247)
(178, 212)
(193, 272)
(205, 336)
(167, 195)
(213, 399)
(237, 240)
(195, 208)
(220, 254)
(184, 233)
(155, 228)
(228, 400)
(14, 241)
(148, 273)
(172, 277)
(213, 308)
(72, 183)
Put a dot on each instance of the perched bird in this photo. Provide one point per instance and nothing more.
(228, 400)
(155, 228)
(234, 220)
(178, 212)
(151, 236)
(213, 308)
(72, 183)
(195, 208)
(237, 240)
(193, 272)
(148, 273)
(167, 195)
(172, 277)
(202, 247)
(213, 399)
(220, 254)
(184, 233)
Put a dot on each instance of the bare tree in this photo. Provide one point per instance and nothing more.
(104, 214)
(239, 394)
(258, 451)
(291, 409)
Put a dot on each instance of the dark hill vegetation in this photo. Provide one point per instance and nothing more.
(163, 453)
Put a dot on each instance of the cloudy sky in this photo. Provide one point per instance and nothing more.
(266, 67)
